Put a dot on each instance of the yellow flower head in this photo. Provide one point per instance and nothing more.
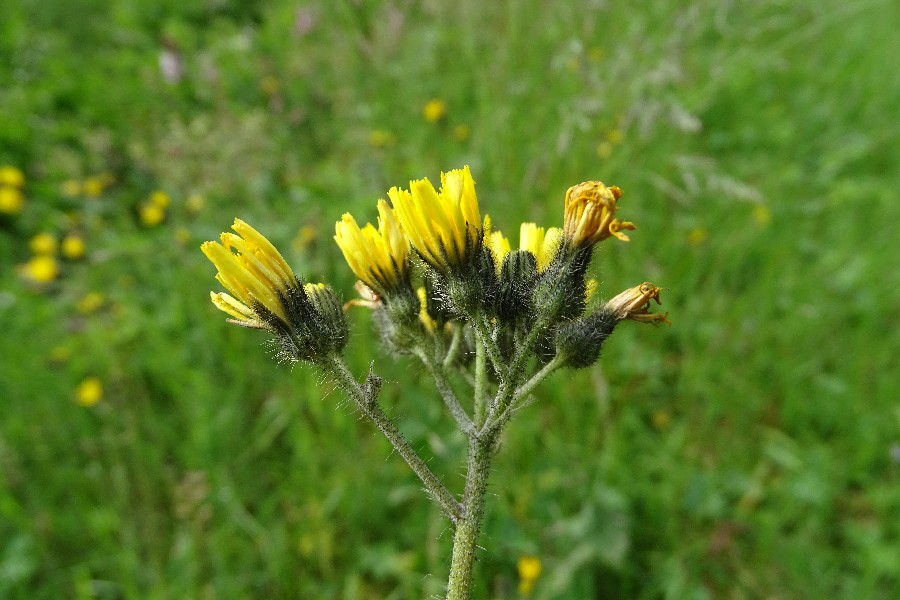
(194, 203)
(529, 570)
(12, 176)
(378, 257)
(94, 186)
(590, 210)
(70, 188)
(253, 270)
(634, 304)
(761, 214)
(434, 110)
(381, 138)
(72, 247)
(306, 319)
(89, 392)
(160, 199)
(11, 200)
(44, 244)
(90, 303)
(444, 227)
(462, 132)
(151, 214)
(40, 269)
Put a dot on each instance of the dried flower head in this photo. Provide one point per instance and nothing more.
(590, 210)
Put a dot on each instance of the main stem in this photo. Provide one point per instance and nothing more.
(468, 527)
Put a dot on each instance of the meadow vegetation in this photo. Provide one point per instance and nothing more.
(149, 450)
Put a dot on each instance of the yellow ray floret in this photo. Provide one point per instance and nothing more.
(542, 243)
(252, 270)
(443, 226)
(424, 317)
(500, 247)
(379, 257)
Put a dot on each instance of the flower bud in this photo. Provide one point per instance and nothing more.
(518, 277)
(562, 288)
(579, 342)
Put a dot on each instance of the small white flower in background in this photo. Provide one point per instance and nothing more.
(171, 66)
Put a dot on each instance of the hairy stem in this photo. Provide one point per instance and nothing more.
(465, 539)
(508, 385)
(453, 349)
(483, 333)
(480, 386)
(443, 385)
(365, 396)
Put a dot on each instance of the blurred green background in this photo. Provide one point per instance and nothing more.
(150, 450)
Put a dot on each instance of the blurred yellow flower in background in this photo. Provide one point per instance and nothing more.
(93, 186)
(40, 269)
(44, 244)
(380, 138)
(604, 149)
(305, 237)
(151, 214)
(160, 199)
(70, 188)
(11, 200)
(615, 136)
(269, 85)
(434, 110)
(661, 419)
(72, 247)
(89, 391)
(183, 236)
(697, 236)
(761, 214)
(89, 303)
(529, 571)
(462, 132)
(59, 354)
(12, 176)
(194, 203)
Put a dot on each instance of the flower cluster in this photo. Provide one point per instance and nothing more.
(432, 265)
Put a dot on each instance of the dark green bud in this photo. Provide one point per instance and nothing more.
(397, 320)
(579, 342)
(518, 277)
(560, 291)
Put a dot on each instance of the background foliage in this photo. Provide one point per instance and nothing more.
(751, 450)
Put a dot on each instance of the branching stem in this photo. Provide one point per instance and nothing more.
(365, 396)
(443, 385)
